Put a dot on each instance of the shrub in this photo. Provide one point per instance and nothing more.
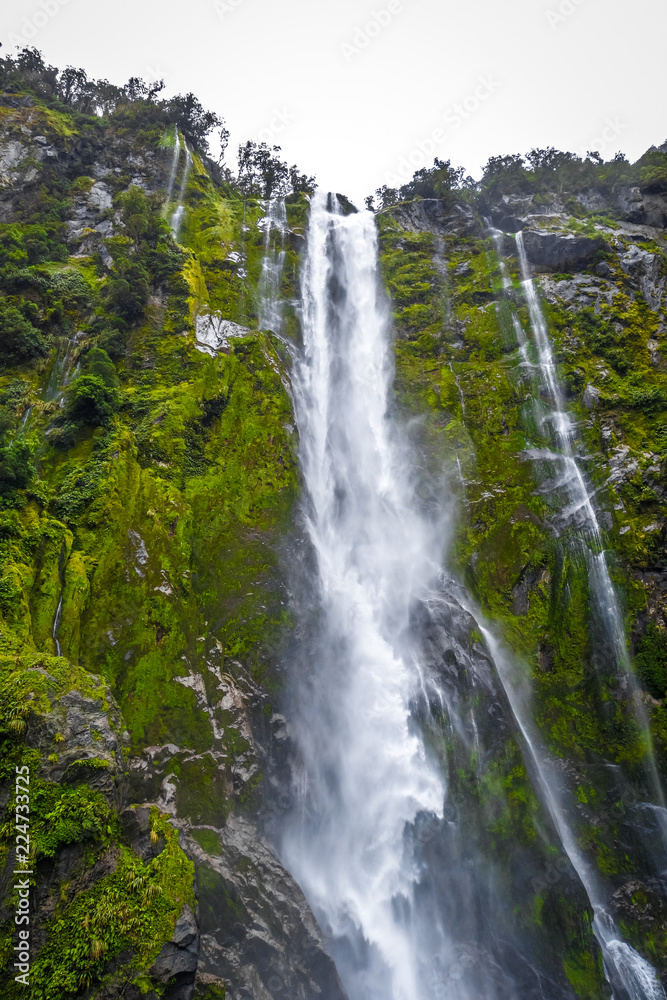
(651, 661)
(127, 292)
(19, 340)
(91, 401)
(16, 467)
(100, 364)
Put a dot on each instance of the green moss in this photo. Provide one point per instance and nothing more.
(208, 840)
(132, 910)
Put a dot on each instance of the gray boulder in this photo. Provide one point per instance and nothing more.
(560, 253)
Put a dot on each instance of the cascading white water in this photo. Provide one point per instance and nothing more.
(174, 165)
(602, 589)
(625, 969)
(179, 212)
(56, 625)
(365, 773)
(270, 305)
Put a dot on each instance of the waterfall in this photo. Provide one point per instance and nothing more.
(394, 867)
(270, 306)
(631, 977)
(174, 165)
(179, 212)
(366, 775)
(580, 509)
(56, 625)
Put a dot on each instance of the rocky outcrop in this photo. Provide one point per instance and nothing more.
(556, 252)
(432, 215)
(258, 935)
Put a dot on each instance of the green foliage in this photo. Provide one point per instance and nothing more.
(132, 910)
(17, 467)
(92, 401)
(651, 661)
(19, 340)
(63, 816)
(126, 293)
(653, 175)
(99, 364)
(262, 173)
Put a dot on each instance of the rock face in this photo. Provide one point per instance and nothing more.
(432, 215)
(560, 253)
(161, 537)
(213, 333)
(257, 931)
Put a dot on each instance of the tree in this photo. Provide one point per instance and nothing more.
(76, 89)
(548, 159)
(127, 291)
(20, 341)
(16, 467)
(99, 364)
(91, 401)
(187, 112)
(261, 171)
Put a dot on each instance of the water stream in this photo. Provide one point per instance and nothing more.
(581, 513)
(366, 773)
(179, 211)
(397, 872)
(174, 165)
(270, 303)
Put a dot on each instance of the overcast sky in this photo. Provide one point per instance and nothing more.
(360, 93)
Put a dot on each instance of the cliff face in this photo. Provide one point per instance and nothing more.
(149, 492)
(144, 546)
(462, 369)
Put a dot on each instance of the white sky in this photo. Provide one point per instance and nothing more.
(575, 74)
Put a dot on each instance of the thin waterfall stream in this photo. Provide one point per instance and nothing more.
(270, 304)
(582, 512)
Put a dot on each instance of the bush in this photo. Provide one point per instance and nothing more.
(19, 340)
(91, 401)
(113, 343)
(100, 364)
(16, 467)
(127, 292)
(651, 661)
(70, 287)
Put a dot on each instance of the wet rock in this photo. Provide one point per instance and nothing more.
(643, 268)
(510, 224)
(591, 397)
(560, 253)
(431, 216)
(213, 334)
(258, 934)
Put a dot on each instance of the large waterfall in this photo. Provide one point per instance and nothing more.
(406, 917)
(366, 773)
